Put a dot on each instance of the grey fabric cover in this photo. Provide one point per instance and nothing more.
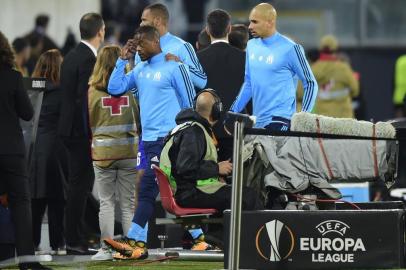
(293, 164)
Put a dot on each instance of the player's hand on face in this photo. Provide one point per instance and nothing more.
(129, 49)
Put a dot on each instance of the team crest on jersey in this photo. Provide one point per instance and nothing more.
(141, 75)
(269, 59)
(157, 76)
(252, 56)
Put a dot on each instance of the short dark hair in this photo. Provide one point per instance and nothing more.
(19, 44)
(42, 20)
(90, 24)
(239, 36)
(6, 53)
(148, 31)
(203, 39)
(218, 21)
(159, 10)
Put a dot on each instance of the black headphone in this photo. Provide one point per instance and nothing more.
(217, 108)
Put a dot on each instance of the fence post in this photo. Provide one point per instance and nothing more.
(235, 221)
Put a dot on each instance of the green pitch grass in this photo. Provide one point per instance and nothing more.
(141, 265)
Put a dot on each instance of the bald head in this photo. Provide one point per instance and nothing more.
(263, 20)
(266, 10)
(204, 104)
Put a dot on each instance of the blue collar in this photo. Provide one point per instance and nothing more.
(160, 57)
(271, 39)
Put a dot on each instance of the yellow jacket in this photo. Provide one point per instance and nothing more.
(337, 87)
(400, 81)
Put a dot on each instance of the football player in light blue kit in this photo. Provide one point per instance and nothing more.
(163, 89)
(175, 48)
(272, 63)
(157, 15)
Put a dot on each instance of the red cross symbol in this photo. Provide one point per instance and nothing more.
(115, 104)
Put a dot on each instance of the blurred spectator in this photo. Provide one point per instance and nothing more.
(22, 51)
(195, 15)
(126, 13)
(39, 40)
(358, 102)
(203, 40)
(46, 176)
(337, 82)
(41, 26)
(36, 44)
(239, 36)
(70, 42)
(399, 94)
(14, 105)
(113, 32)
(114, 152)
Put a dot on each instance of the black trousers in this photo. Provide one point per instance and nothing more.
(79, 186)
(55, 220)
(13, 178)
(7, 251)
(221, 199)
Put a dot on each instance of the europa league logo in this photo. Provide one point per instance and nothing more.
(278, 241)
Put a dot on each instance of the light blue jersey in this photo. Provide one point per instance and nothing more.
(184, 50)
(272, 67)
(163, 88)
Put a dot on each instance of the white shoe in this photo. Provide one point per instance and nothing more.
(39, 251)
(61, 251)
(102, 255)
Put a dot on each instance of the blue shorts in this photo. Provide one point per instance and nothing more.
(141, 158)
(278, 124)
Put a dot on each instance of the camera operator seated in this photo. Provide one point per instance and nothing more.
(189, 159)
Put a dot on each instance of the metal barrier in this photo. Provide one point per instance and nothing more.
(233, 259)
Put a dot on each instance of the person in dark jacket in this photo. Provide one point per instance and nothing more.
(189, 158)
(49, 157)
(14, 105)
(73, 128)
(224, 66)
